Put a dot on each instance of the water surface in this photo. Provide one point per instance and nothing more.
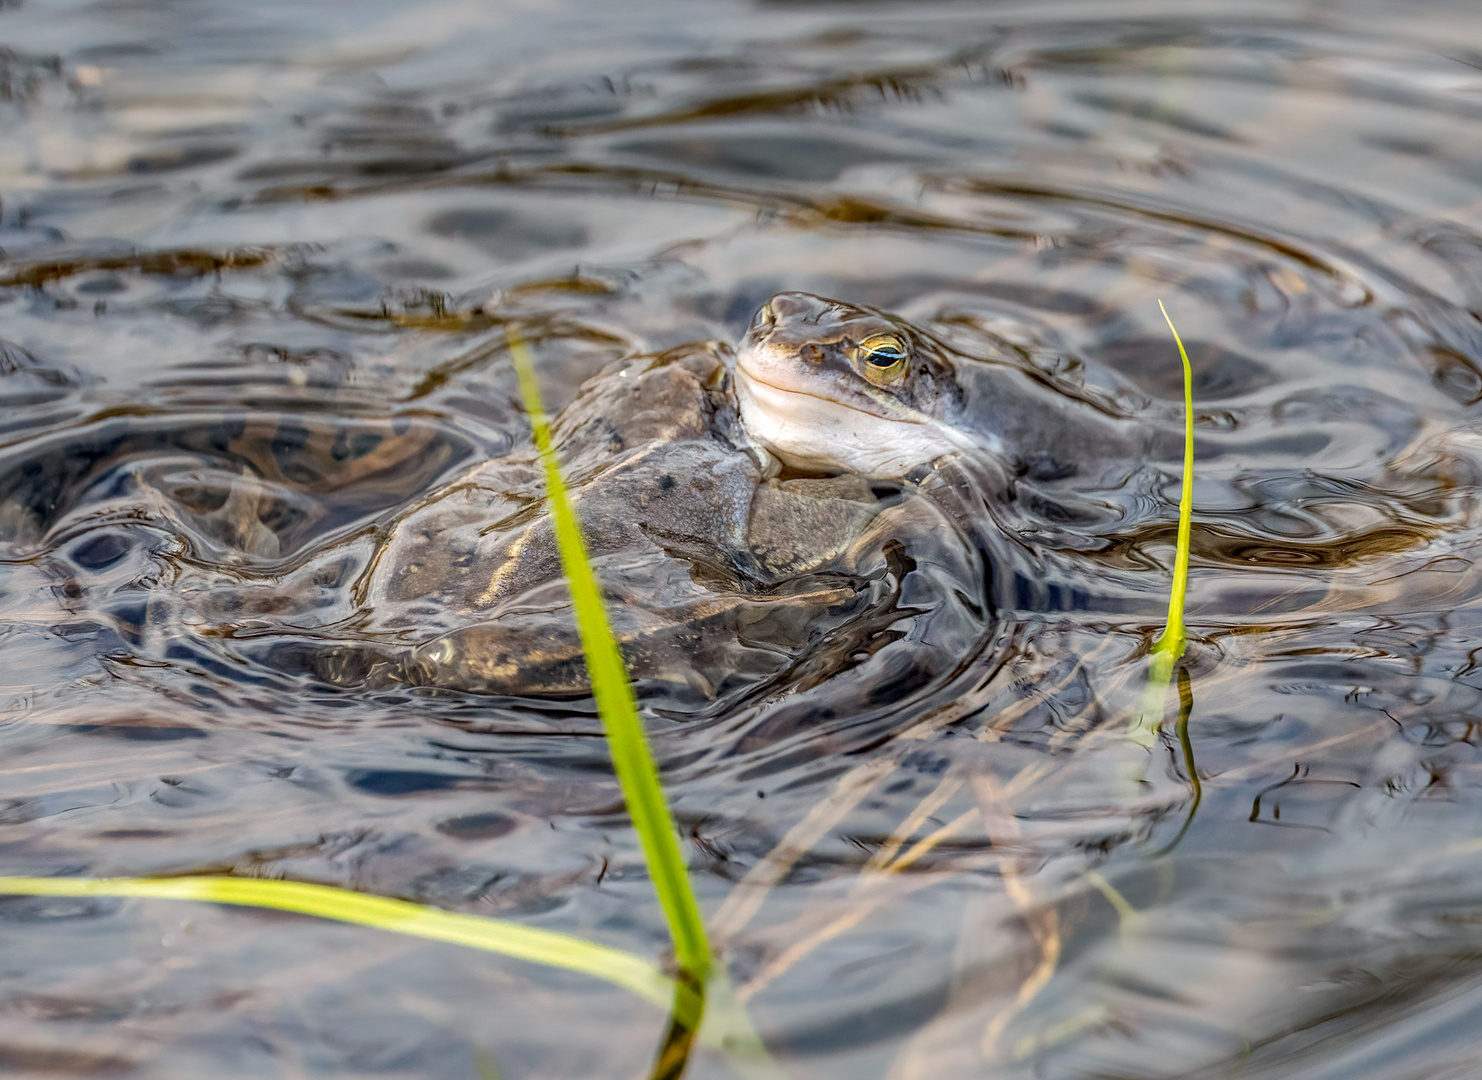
(258, 264)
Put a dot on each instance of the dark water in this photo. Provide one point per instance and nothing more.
(258, 261)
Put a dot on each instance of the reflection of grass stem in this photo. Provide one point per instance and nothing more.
(1129, 919)
(1170, 645)
(1181, 730)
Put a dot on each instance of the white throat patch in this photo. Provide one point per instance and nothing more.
(810, 432)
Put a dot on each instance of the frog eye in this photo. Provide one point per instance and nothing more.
(881, 358)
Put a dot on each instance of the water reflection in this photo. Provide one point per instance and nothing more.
(258, 263)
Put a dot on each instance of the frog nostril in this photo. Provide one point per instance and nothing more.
(786, 305)
(811, 353)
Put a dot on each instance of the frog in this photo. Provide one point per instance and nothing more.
(739, 506)
(717, 567)
(760, 518)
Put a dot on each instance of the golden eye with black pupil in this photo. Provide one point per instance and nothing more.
(881, 358)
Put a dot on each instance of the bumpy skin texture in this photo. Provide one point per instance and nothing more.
(712, 574)
(719, 572)
(757, 524)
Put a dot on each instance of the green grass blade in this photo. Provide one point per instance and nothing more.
(477, 932)
(1173, 639)
(616, 702)
(1170, 644)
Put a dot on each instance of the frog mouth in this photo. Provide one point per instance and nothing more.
(807, 430)
(858, 402)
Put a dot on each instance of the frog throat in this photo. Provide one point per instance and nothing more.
(808, 431)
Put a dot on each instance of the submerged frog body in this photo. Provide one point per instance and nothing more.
(758, 520)
(715, 571)
(740, 512)
(728, 507)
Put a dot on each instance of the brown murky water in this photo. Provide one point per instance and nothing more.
(258, 262)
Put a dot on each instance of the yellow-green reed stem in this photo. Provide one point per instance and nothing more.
(1170, 644)
(398, 916)
(618, 707)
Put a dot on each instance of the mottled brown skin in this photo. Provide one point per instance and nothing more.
(721, 569)
(712, 572)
